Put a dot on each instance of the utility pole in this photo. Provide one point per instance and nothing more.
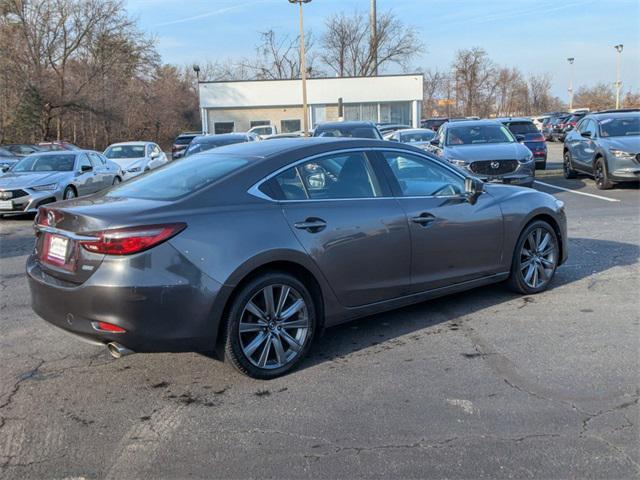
(618, 81)
(303, 72)
(570, 60)
(373, 23)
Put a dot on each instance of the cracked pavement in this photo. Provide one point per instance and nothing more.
(484, 384)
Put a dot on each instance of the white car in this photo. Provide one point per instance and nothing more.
(136, 158)
(264, 131)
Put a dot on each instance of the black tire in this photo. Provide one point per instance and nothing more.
(541, 166)
(601, 175)
(116, 180)
(517, 280)
(69, 193)
(567, 168)
(233, 347)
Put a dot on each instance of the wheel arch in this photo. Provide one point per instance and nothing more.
(550, 219)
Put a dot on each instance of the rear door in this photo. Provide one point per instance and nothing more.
(346, 221)
(452, 240)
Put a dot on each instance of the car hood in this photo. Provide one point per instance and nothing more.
(628, 144)
(30, 179)
(491, 151)
(125, 163)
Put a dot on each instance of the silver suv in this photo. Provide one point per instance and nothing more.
(605, 145)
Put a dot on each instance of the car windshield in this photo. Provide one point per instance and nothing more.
(477, 134)
(348, 131)
(5, 153)
(125, 151)
(208, 144)
(522, 128)
(45, 163)
(417, 136)
(179, 178)
(620, 127)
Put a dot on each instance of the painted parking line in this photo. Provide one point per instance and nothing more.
(577, 193)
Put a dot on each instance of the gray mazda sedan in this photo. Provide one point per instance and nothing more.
(486, 149)
(42, 178)
(254, 248)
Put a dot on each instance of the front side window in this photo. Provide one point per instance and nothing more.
(478, 134)
(347, 175)
(83, 161)
(418, 176)
(96, 162)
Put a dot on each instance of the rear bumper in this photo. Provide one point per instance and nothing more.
(164, 302)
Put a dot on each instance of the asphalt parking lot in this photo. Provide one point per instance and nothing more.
(484, 384)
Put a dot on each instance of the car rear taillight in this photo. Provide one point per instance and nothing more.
(126, 241)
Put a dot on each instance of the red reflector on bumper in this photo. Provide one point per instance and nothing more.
(107, 327)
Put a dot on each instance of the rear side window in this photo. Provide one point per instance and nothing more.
(336, 176)
(178, 179)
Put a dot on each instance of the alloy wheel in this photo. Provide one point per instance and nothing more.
(274, 326)
(598, 174)
(538, 258)
(69, 194)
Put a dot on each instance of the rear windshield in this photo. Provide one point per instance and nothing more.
(186, 140)
(620, 127)
(522, 128)
(125, 151)
(478, 134)
(45, 163)
(203, 145)
(348, 131)
(5, 153)
(179, 178)
(417, 136)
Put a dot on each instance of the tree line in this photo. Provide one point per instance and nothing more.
(83, 71)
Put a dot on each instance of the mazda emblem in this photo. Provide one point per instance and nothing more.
(495, 165)
(51, 218)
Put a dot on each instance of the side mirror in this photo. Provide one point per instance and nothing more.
(86, 168)
(5, 168)
(586, 134)
(154, 155)
(435, 142)
(520, 138)
(473, 188)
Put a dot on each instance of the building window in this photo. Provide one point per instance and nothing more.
(223, 127)
(287, 126)
(399, 113)
(259, 123)
(361, 111)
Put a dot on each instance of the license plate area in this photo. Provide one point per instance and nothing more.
(6, 205)
(58, 251)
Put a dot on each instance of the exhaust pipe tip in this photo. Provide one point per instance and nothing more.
(118, 351)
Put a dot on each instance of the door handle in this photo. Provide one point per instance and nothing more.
(311, 224)
(424, 219)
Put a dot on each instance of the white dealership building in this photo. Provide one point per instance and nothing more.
(240, 105)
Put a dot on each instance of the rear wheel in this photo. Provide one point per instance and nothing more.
(270, 326)
(567, 169)
(601, 175)
(535, 258)
(69, 193)
(116, 181)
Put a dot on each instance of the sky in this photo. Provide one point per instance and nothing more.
(537, 36)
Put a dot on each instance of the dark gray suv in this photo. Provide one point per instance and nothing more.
(256, 247)
(486, 149)
(606, 146)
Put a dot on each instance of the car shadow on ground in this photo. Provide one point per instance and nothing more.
(580, 182)
(388, 330)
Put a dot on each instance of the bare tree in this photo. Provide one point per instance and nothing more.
(474, 75)
(599, 97)
(347, 49)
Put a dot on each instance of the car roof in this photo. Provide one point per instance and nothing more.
(141, 142)
(599, 115)
(274, 147)
(348, 123)
(220, 135)
(62, 152)
(472, 123)
(412, 130)
(514, 119)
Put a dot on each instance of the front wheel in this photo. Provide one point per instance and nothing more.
(601, 175)
(270, 326)
(116, 181)
(69, 193)
(567, 170)
(535, 259)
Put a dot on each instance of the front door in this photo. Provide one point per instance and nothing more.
(358, 238)
(452, 240)
(584, 146)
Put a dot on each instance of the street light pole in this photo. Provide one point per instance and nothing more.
(570, 60)
(303, 72)
(618, 81)
(373, 23)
